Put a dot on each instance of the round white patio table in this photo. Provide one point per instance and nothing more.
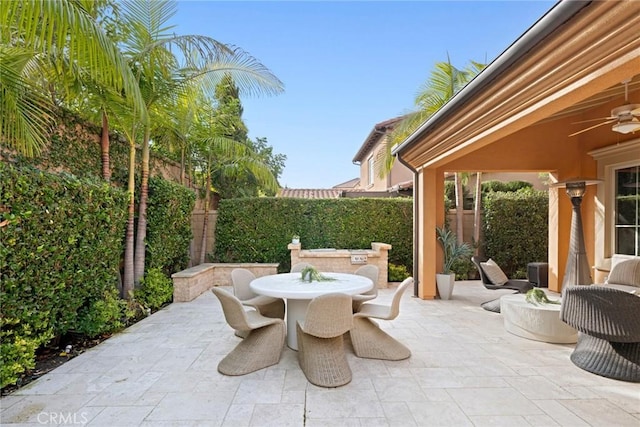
(298, 293)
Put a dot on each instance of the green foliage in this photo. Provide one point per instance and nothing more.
(155, 289)
(537, 296)
(311, 274)
(397, 273)
(104, 315)
(450, 196)
(259, 229)
(515, 229)
(60, 252)
(168, 226)
(453, 251)
(493, 186)
(18, 350)
(464, 268)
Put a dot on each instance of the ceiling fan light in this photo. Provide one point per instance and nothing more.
(626, 127)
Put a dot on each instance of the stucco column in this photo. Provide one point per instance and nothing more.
(295, 252)
(431, 214)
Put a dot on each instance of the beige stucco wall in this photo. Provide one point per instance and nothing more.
(340, 261)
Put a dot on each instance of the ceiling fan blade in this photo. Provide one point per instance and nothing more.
(593, 127)
(594, 120)
(636, 111)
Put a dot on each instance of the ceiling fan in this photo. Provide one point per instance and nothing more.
(625, 118)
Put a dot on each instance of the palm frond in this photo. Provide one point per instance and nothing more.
(25, 113)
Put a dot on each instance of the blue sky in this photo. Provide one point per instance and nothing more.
(348, 65)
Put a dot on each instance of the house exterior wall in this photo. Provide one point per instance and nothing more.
(399, 173)
(520, 117)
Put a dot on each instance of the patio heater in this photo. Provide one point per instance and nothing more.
(577, 271)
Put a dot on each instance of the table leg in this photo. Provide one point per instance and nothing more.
(296, 310)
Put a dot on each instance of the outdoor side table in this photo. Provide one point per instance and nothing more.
(539, 322)
(538, 274)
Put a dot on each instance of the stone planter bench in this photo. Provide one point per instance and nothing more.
(193, 282)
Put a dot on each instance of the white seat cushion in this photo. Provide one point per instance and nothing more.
(625, 272)
(494, 272)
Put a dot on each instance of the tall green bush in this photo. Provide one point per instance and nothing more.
(516, 228)
(259, 229)
(60, 251)
(168, 226)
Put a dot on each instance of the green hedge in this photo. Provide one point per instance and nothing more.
(168, 226)
(516, 228)
(259, 229)
(60, 249)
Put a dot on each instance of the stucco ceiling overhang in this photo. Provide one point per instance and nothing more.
(581, 60)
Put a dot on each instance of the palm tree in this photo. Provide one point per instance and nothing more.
(220, 149)
(58, 32)
(149, 48)
(443, 83)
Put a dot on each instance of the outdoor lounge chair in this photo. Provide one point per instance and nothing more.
(263, 342)
(371, 342)
(320, 340)
(522, 286)
(608, 324)
(370, 271)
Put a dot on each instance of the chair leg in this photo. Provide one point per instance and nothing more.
(371, 342)
(261, 348)
(323, 360)
(620, 361)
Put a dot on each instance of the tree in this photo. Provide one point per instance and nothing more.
(239, 181)
(52, 35)
(151, 49)
(219, 154)
(443, 83)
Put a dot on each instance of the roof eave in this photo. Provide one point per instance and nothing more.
(553, 19)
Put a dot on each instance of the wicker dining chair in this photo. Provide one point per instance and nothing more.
(321, 351)
(370, 271)
(371, 342)
(297, 268)
(263, 342)
(267, 306)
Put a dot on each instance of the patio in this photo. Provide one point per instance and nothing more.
(465, 370)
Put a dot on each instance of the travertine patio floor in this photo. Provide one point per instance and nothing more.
(465, 371)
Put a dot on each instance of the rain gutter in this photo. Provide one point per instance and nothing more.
(416, 197)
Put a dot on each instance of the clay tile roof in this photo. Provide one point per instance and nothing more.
(306, 193)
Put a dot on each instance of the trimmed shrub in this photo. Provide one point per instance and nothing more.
(259, 229)
(516, 229)
(155, 290)
(60, 250)
(168, 226)
(397, 273)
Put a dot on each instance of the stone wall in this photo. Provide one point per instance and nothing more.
(194, 281)
(345, 260)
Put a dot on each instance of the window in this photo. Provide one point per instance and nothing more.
(371, 170)
(627, 209)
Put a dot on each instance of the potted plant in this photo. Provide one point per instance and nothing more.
(295, 239)
(453, 251)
